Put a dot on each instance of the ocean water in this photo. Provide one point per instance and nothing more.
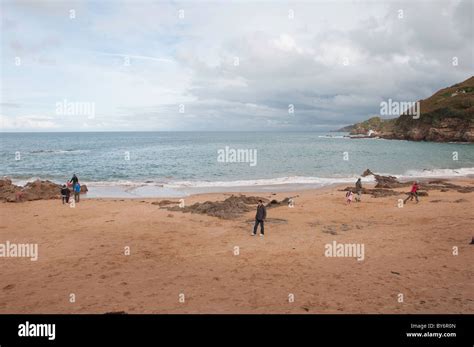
(180, 163)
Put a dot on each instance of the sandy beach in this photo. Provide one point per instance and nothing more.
(192, 263)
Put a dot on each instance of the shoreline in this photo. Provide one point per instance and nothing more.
(138, 190)
(283, 189)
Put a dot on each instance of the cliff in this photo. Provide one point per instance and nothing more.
(446, 116)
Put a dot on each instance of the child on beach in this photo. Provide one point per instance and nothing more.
(349, 196)
(77, 192)
(65, 194)
(413, 193)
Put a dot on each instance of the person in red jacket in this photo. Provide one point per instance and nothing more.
(413, 193)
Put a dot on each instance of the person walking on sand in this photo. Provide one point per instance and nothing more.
(77, 192)
(413, 193)
(260, 217)
(358, 190)
(74, 180)
(349, 196)
(65, 193)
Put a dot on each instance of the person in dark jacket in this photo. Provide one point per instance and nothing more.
(74, 180)
(358, 190)
(65, 193)
(260, 217)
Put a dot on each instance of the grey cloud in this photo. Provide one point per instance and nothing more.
(405, 58)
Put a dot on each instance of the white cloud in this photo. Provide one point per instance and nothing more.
(27, 123)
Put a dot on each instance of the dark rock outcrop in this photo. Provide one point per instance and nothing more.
(8, 191)
(232, 207)
(385, 185)
(385, 181)
(37, 190)
(275, 203)
(40, 190)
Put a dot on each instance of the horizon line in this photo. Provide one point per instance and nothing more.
(161, 131)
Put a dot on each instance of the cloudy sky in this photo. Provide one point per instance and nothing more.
(234, 65)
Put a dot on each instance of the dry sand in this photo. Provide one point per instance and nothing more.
(408, 251)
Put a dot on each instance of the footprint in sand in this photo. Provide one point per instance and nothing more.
(9, 286)
(328, 229)
(148, 254)
(345, 227)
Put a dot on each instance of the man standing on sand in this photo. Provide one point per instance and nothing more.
(260, 218)
(358, 190)
(413, 193)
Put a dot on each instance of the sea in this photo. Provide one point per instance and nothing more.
(173, 164)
